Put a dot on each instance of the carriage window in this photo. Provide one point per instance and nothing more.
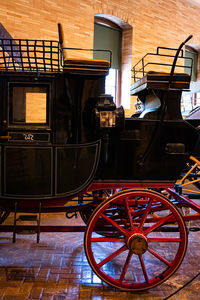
(28, 105)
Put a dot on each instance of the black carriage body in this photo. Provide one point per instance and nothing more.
(69, 148)
(146, 152)
(44, 159)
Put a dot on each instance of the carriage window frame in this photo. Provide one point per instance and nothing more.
(11, 122)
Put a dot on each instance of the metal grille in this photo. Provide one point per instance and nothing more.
(29, 55)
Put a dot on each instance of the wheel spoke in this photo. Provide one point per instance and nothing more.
(144, 216)
(114, 254)
(190, 182)
(129, 213)
(125, 266)
(106, 239)
(160, 257)
(185, 176)
(143, 268)
(124, 231)
(159, 223)
(160, 240)
(106, 192)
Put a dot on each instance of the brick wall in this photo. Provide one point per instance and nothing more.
(154, 23)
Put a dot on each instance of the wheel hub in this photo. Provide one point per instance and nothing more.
(137, 243)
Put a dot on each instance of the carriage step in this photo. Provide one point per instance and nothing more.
(26, 232)
(31, 218)
(27, 218)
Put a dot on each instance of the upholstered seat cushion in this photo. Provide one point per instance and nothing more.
(160, 80)
(162, 76)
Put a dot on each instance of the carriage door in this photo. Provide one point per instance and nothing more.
(27, 152)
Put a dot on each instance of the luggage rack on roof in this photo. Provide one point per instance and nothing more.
(21, 55)
(24, 55)
(151, 72)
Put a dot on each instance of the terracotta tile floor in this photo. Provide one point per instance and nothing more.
(57, 268)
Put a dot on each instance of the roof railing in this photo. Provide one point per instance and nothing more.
(143, 66)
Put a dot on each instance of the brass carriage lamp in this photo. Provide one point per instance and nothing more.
(107, 119)
(107, 115)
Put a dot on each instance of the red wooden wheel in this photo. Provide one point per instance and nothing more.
(147, 251)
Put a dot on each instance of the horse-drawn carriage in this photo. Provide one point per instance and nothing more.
(62, 138)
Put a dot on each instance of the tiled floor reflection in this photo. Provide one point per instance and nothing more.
(57, 268)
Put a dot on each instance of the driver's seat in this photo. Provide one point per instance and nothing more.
(79, 64)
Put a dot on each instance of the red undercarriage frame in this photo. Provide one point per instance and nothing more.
(169, 187)
(59, 204)
(54, 206)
